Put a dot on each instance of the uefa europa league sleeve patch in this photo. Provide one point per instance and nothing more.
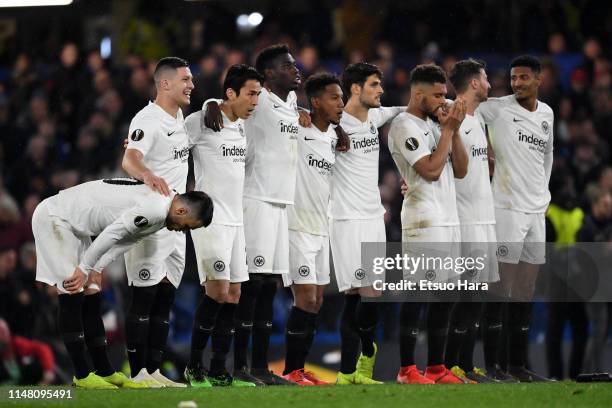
(137, 135)
(412, 144)
(141, 221)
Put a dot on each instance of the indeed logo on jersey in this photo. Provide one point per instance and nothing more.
(233, 151)
(479, 151)
(181, 154)
(534, 143)
(322, 165)
(288, 127)
(365, 143)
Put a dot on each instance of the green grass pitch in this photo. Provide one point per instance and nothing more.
(563, 394)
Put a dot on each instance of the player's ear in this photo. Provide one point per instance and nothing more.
(355, 89)
(314, 103)
(230, 94)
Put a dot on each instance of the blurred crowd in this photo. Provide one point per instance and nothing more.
(63, 120)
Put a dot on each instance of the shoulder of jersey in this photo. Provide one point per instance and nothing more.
(148, 113)
(545, 107)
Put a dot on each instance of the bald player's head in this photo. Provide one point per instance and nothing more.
(173, 80)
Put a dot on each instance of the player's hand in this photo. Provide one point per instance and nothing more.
(75, 282)
(47, 378)
(304, 119)
(212, 118)
(156, 183)
(125, 143)
(403, 187)
(344, 143)
(452, 117)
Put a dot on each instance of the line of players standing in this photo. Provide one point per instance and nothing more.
(286, 185)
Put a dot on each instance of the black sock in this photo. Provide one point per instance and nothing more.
(408, 331)
(221, 339)
(313, 325)
(296, 337)
(367, 318)
(243, 323)
(519, 317)
(137, 326)
(491, 332)
(438, 314)
(262, 323)
(461, 322)
(349, 338)
(95, 334)
(203, 325)
(466, 352)
(159, 325)
(70, 327)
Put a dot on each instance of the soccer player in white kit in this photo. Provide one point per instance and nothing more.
(269, 187)
(356, 214)
(429, 157)
(218, 160)
(308, 223)
(477, 218)
(521, 133)
(157, 154)
(120, 212)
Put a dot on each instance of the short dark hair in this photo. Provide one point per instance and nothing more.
(236, 77)
(357, 74)
(315, 84)
(528, 61)
(168, 63)
(200, 204)
(266, 57)
(463, 72)
(427, 74)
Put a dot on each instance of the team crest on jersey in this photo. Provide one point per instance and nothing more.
(360, 274)
(140, 221)
(241, 130)
(545, 127)
(144, 274)
(372, 128)
(430, 275)
(412, 144)
(502, 251)
(137, 135)
(259, 261)
(304, 270)
(219, 266)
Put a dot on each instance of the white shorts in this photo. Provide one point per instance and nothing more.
(308, 259)
(480, 240)
(58, 249)
(433, 245)
(220, 253)
(157, 256)
(346, 237)
(521, 237)
(267, 236)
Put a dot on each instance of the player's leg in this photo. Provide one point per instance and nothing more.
(301, 322)
(95, 335)
(159, 322)
(410, 315)
(519, 312)
(212, 247)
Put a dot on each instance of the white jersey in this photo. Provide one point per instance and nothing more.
(119, 211)
(354, 187)
(427, 203)
(218, 160)
(162, 140)
(316, 158)
(523, 144)
(474, 196)
(271, 133)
